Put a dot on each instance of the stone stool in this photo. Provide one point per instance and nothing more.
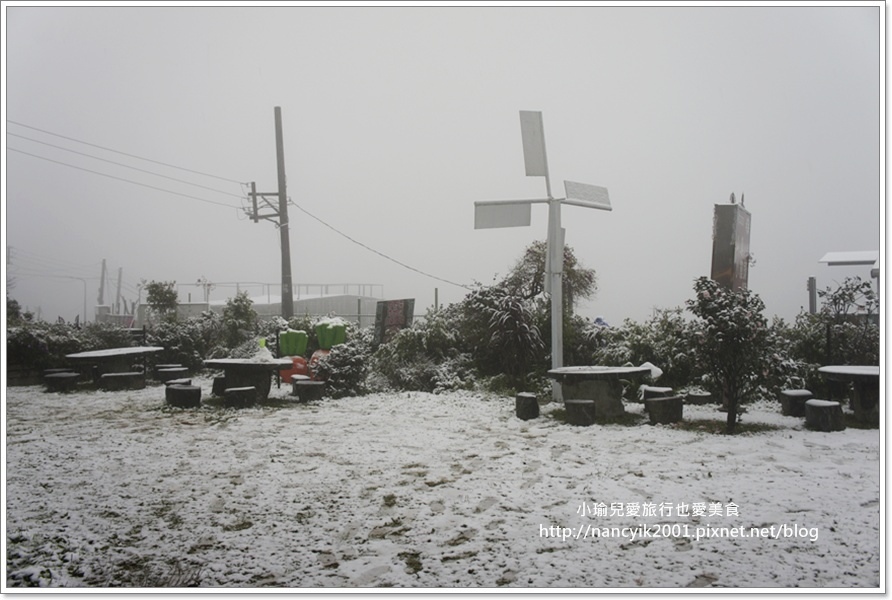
(824, 415)
(580, 412)
(183, 396)
(61, 382)
(698, 398)
(240, 397)
(526, 406)
(793, 402)
(306, 389)
(664, 410)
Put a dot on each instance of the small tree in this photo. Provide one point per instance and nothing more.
(527, 278)
(239, 319)
(161, 297)
(13, 311)
(848, 314)
(730, 340)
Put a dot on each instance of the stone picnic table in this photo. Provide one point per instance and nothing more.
(113, 360)
(112, 368)
(603, 385)
(250, 372)
(865, 380)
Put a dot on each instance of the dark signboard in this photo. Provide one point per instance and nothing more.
(391, 316)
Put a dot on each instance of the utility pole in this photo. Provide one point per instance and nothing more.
(118, 297)
(279, 212)
(101, 298)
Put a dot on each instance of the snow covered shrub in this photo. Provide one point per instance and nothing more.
(783, 369)
(189, 342)
(41, 345)
(500, 332)
(426, 357)
(664, 340)
(345, 368)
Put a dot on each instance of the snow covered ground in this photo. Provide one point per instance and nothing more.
(414, 490)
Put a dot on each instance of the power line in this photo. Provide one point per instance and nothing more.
(122, 153)
(370, 249)
(127, 166)
(122, 179)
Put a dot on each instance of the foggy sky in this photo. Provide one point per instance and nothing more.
(397, 119)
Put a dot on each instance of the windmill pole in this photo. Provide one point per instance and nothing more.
(554, 268)
(516, 213)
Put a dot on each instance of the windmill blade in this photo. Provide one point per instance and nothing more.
(533, 133)
(490, 215)
(589, 196)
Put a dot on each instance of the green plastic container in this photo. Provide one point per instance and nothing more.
(331, 333)
(293, 343)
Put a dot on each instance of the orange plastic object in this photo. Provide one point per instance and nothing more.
(299, 367)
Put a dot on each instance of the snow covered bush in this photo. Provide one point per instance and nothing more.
(425, 357)
(189, 342)
(499, 330)
(346, 367)
(40, 345)
(664, 340)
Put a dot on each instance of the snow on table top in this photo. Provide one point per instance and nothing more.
(115, 352)
(851, 370)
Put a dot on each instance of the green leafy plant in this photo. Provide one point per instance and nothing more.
(731, 341)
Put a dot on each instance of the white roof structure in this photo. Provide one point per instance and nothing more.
(839, 259)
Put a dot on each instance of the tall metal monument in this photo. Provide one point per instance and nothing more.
(731, 245)
(516, 213)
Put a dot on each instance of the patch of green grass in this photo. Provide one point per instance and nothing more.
(412, 560)
(390, 500)
(853, 423)
(719, 426)
(628, 419)
(239, 526)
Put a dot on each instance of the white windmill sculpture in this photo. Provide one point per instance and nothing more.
(516, 213)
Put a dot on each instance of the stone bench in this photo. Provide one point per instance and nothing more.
(169, 373)
(133, 380)
(665, 410)
(183, 396)
(162, 367)
(183, 381)
(61, 382)
(54, 371)
(306, 389)
(793, 402)
(240, 397)
(824, 415)
(526, 406)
